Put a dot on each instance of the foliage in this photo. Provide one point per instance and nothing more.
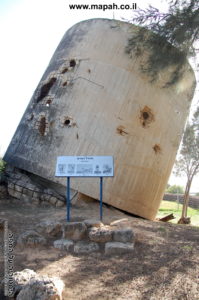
(175, 189)
(171, 39)
(188, 161)
(2, 166)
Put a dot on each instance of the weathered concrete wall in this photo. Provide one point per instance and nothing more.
(93, 100)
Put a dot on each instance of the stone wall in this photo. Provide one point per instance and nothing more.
(21, 187)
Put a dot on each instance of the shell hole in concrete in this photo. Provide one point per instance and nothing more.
(146, 116)
(64, 70)
(48, 102)
(67, 122)
(65, 83)
(46, 88)
(42, 126)
(72, 63)
(157, 149)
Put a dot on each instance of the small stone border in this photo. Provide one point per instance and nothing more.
(81, 237)
(93, 236)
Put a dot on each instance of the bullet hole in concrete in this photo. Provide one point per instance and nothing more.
(46, 88)
(65, 83)
(72, 63)
(42, 126)
(64, 70)
(121, 130)
(67, 122)
(157, 149)
(146, 116)
(48, 102)
(89, 70)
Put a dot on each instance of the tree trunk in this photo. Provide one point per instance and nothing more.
(186, 199)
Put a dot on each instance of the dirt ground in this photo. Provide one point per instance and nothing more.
(164, 264)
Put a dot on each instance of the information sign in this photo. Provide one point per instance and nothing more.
(84, 166)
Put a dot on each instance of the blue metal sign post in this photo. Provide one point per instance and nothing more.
(84, 166)
(101, 198)
(68, 200)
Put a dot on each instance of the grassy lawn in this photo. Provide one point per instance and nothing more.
(168, 207)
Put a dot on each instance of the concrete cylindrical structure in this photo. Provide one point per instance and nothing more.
(93, 100)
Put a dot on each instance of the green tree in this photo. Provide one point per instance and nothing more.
(188, 161)
(175, 189)
(172, 37)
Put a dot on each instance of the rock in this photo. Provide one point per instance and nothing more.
(18, 188)
(118, 248)
(123, 235)
(22, 278)
(35, 201)
(27, 192)
(59, 203)
(64, 244)
(31, 238)
(83, 247)
(14, 193)
(74, 230)
(50, 228)
(42, 288)
(52, 200)
(100, 235)
(93, 223)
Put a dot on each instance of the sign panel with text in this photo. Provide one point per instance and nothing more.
(84, 166)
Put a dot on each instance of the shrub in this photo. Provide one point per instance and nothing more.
(2, 165)
(175, 189)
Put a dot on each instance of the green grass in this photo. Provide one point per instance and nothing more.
(168, 207)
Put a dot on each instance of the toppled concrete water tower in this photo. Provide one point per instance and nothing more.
(93, 100)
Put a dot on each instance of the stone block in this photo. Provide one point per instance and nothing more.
(31, 238)
(27, 192)
(64, 244)
(116, 248)
(11, 185)
(59, 203)
(36, 195)
(26, 198)
(50, 228)
(100, 235)
(14, 194)
(53, 200)
(35, 201)
(93, 223)
(74, 230)
(18, 188)
(84, 247)
(123, 235)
